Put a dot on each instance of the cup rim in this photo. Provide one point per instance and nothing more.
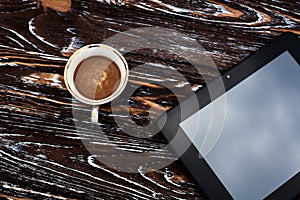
(115, 94)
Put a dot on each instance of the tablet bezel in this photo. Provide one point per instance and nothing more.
(198, 167)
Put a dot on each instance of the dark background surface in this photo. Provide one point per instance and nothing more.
(42, 154)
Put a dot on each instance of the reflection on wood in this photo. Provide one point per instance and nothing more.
(58, 5)
(42, 153)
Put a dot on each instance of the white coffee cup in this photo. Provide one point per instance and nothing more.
(90, 51)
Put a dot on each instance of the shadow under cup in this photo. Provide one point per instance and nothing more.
(96, 74)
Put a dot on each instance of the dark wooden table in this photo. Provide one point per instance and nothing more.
(43, 154)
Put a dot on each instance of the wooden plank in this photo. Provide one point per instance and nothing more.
(42, 153)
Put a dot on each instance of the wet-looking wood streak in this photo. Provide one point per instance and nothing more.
(43, 155)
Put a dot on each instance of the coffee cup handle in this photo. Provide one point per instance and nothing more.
(94, 117)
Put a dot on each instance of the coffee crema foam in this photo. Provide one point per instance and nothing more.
(97, 77)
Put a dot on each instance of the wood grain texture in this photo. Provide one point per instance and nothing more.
(42, 155)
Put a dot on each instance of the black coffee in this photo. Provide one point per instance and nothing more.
(97, 77)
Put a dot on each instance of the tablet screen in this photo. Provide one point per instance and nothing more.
(259, 147)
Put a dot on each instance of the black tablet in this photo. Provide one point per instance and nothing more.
(257, 153)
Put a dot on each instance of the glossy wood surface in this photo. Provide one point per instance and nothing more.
(43, 154)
